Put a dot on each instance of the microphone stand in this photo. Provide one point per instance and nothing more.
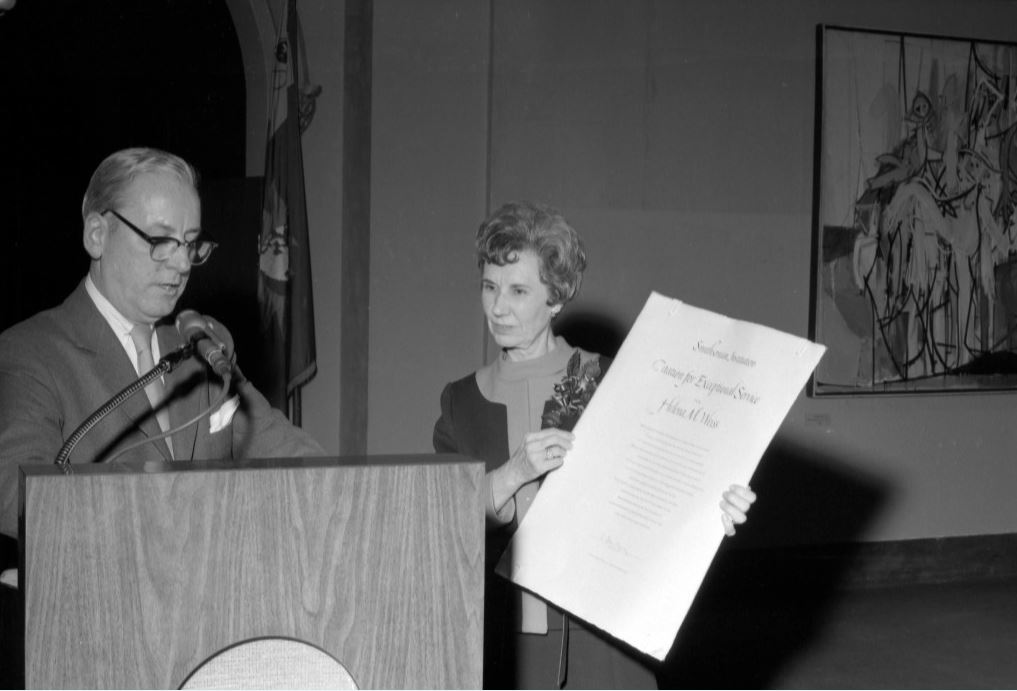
(165, 365)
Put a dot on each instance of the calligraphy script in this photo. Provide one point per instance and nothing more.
(698, 388)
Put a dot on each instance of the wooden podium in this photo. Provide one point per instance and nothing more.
(132, 575)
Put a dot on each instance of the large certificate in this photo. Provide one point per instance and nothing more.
(623, 533)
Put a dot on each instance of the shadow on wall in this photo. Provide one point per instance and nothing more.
(771, 589)
(808, 499)
(591, 331)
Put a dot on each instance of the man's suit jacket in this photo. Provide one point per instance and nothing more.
(61, 365)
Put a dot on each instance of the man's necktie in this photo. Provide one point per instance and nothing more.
(141, 334)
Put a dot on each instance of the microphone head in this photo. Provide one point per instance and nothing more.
(191, 325)
(206, 332)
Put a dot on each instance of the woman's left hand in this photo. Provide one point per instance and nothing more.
(735, 504)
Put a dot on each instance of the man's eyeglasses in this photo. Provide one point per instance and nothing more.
(162, 248)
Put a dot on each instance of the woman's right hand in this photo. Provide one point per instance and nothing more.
(540, 453)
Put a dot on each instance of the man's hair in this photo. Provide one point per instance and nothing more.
(119, 169)
(520, 226)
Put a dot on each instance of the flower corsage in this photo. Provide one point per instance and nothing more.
(572, 393)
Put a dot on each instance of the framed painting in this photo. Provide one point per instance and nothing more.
(915, 247)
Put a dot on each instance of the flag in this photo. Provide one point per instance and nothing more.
(284, 278)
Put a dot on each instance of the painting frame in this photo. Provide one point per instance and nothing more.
(914, 260)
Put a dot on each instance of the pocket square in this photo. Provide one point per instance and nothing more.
(221, 418)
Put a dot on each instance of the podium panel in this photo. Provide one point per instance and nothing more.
(133, 575)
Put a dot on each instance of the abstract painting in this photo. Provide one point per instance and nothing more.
(915, 251)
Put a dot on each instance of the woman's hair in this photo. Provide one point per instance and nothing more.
(119, 169)
(521, 226)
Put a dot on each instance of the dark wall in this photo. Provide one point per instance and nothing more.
(79, 80)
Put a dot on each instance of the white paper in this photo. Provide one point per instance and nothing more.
(623, 533)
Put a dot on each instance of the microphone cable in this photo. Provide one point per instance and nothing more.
(205, 413)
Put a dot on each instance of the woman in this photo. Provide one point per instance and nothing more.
(532, 263)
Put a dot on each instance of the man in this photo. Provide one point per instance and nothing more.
(142, 230)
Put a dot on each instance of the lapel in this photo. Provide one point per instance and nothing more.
(186, 393)
(111, 365)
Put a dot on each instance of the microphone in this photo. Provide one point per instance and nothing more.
(211, 339)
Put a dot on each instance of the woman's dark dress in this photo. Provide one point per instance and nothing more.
(477, 413)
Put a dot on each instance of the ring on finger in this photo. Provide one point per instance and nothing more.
(548, 455)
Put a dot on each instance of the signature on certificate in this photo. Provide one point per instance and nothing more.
(616, 546)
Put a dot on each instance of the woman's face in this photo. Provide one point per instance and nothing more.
(515, 304)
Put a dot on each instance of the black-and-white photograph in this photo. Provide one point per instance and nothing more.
(508, 344)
